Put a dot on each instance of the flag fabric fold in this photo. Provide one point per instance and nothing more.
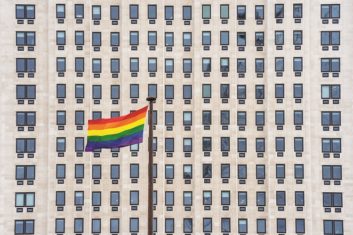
(116, 132)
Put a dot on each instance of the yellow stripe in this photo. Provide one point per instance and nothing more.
(115, 130)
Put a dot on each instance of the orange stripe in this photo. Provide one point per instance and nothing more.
(118, 119)
(116, 124)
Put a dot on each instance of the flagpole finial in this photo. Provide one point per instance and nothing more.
(151, 98)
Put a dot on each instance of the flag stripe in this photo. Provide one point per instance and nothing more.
(118, 143)
(118, 119)
(116, 130)
(116, 136)
(115, 124)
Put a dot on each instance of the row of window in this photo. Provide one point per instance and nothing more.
(327, 11)
(329, 172)
(328, 118)
(29, 91)
(329, 145)
(28, 65)
(330, 227)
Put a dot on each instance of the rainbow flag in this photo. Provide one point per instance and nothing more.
(116, 132)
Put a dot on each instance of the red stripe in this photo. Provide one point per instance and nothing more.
(117, 119)
(116, 124)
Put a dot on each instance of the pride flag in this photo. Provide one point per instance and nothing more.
(116, 132)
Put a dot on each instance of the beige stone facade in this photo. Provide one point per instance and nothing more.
(45, 212)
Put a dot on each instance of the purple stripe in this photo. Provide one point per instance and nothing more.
(121, 142)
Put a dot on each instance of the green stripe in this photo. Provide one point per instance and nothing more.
(116, 136)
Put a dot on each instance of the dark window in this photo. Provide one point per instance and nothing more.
(114, 12)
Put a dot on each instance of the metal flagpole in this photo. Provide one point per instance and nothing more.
(150, 166)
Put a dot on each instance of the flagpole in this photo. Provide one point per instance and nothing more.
(150, 166)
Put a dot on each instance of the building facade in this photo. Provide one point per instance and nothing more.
(252, 128)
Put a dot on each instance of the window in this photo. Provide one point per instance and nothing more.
(225, 171)
(260, 172)
(332, 172)
(241, 39)
(114, 65)
(187, 39)
(332, 199)
(259, 65)
(330, 65)
(169, 39)
(152, 38)
(169, 65)
(330, 38)
(297, 10)
(60, 198)
(279, 64)
(24, 226)
(280, 171)
(280, 144)
(242, 171)
(96, 198)
(96, 65)
(279, 91)
(79, 11)
(259, 92)
(279, 10)
(78, 225)
(225, 144)
(279, 38)
(241, 65)
(241, 12)
(187, 225)
(134, 38)
(330, 11)
(115, 92)
(114, 12)
(224, 11)
(60, 171)
(242, 145)
(60, 37)
(331, 145)
(169, 118)
(187, 171)
(206, 38)
(60, 11)
(206, 118)
(152, 90)
(259, 12)
(96, 171)
(241, 118)
(206, 12)
(298, 90)
(25, 145)
(79, 65)
(259, 39)
(79, 199)
(242, 198)
(206, 144)
(187, 91)
(114, 225)
(299, 198)
(169, 198)
(169, 91)
(260, 145)
(187, 144)
(187, 198)
(169, 225)
(187, 118)
(60, 117)
(25, 65)
(260, 198)
(152, 12)
(206, 91)
(168, 12)
(169, 144)
(225, 225)
(206, 65)
(224, 37)
(96, 225)
(279, 117)
(60, 225)
(225, 117)
(333, 227)
(242, 225)
(299, 171)
(280, 198)
(134, 91)
(281, 226)
(207, 225)
(134, 11)
(224, 65)
(260, 118)
(207, 170)
(96, 12)
(169, 171)
(241, 91)
(25, 172)
(134, 65)
(298, 64)
(187, 12)
(60, 64)
(134, 198)
(114, 198)
(297, 37)
(25, 199)
(330, 91)
(298, 117)
(25, 38)
(261, 225)
(96, 91)
(25, 118)
(25, 11)
(298, 144)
